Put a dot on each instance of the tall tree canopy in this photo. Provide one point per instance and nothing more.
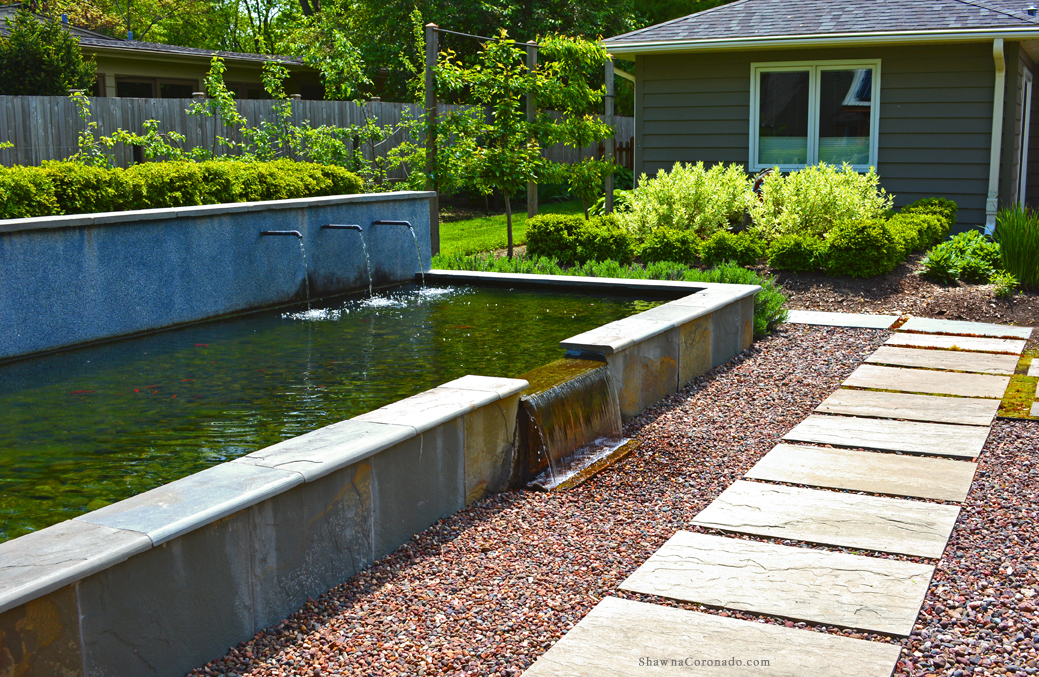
(40, 58)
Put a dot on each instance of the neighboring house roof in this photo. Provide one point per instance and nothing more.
(92, 41)
(766, 21)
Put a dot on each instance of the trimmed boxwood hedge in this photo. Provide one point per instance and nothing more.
(56, 188)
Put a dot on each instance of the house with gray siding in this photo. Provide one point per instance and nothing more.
(935, 94)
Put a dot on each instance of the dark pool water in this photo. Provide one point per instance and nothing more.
(83, 428)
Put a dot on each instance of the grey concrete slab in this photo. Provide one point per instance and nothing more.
(328, 449)
(732, 330)
(841, 319)
(621, 638)
(928, 382)
(877, 404)
(1035, 407)
(675, 313)
(430, 408)
(851, 591)
(617, 336)
(927, 325)
(1033, 368)
(967, 343)
(911, 437)
(983, 363)
(196, 500)
(503, 387)
(913, 476)
(417, 482)
(38, 563)
(832, 518)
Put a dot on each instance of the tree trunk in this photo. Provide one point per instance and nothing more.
(584, 203)
(508, 221)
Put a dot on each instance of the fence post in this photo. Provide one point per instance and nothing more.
(612, 144)
(431, 137)
(532, 187)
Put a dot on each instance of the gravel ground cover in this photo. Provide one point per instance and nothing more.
(488, 590)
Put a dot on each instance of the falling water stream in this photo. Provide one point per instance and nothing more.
(418, 256)
(306, 272)
(367, 264)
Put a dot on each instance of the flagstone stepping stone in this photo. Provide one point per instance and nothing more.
(967, 343)
(840, 319)
(892, 525)
(876, 404)
(1033, 368)
(1035, 407)
(620, 638)
(832, 588)
(945, 359)
(914, 476)
(911, 437)
(924, 381)
(927, 325)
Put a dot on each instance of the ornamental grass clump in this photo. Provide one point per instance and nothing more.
(690, 197)
(813, 200)
(1017, 232)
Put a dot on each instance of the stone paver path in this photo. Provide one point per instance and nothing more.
(926, 405)
(825, 319)
(621, 638)
(832, 518)
(913, 437)
(878, 404)
(1033, 368)
(929, 382)
(983, 345)
(911, 476)
(982, 363)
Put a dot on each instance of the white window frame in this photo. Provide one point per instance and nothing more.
(814, 68)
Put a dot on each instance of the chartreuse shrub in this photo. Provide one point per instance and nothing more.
(571, 239)
(668, 244)
(743, 249)
(72, 188)
(969, 256)
(768, 303)
(689, 197)
(1017, 231)
(938, 206)
(813, 200)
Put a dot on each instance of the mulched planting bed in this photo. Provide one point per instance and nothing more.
(489, 589)
(904, 291)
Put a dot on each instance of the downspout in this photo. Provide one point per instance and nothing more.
(992, 203)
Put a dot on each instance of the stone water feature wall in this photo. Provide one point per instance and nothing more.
(69, 280)
(167, 580)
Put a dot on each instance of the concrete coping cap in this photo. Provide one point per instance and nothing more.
(176, 508)
(194, 211)
(41, 562)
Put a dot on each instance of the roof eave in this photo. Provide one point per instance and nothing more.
(152, 54)
(835, 40)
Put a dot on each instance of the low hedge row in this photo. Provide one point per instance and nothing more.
(71, 188)
(861, 248)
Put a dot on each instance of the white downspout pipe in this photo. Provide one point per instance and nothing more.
(992, 203)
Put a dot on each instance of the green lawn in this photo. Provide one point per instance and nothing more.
(485, 233)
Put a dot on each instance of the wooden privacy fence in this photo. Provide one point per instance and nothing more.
(47, 127)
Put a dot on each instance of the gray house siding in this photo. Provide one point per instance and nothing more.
(935, 115)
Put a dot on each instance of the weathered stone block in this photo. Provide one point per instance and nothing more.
(309, 539)
(490, 445)
(416, 483)
(41, 638)
(646, 372)
(694, 349)
(727, 331)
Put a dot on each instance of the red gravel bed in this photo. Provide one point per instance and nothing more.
(489, 589)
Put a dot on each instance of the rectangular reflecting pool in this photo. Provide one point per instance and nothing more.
(91, 426)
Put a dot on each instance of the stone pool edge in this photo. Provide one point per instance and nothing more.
(165, 581)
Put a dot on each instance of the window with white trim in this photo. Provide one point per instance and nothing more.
(803, 113)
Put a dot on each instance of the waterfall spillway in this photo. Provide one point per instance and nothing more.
(570, 417)
(364, 248)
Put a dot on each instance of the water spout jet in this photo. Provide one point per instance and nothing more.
(367, 261)
(418, 256)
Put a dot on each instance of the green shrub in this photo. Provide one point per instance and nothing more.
(743, 249)
(799, 253)
(81, 189)
(940, 265)
(668, 244)
(1004, 283)
(26, 192)
(768, 303)
(969, 256)
(1017, 231)
(72, 188)
(814, 199)
(622, 201)
(570, 239)
(919, 230)
(938, 206)
(690, 197)
(862, 248)
(40, 57)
